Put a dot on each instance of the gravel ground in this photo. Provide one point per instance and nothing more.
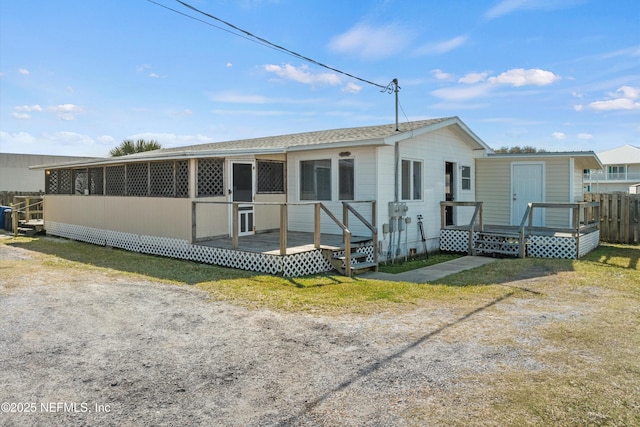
(110, 349)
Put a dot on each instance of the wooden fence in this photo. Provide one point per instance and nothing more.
(619, 216)
(6, 197)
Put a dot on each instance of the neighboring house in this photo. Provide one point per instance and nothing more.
(621, 171)
(17, 179)
(186, 201)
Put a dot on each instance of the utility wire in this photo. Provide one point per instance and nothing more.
(260, 40)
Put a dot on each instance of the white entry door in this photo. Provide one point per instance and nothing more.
(242, 191)
(527, 185)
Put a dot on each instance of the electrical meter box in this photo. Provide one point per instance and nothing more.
(397, 209)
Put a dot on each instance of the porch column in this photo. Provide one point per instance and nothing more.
(283, 228)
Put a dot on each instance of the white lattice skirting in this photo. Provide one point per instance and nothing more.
(300, 264)
(537, 246)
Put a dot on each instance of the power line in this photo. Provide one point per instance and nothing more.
(260, 40)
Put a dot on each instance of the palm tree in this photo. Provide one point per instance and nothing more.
(129, 147)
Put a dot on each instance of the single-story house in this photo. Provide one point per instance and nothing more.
(379, 189)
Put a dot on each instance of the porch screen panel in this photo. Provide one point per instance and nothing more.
(210, 178)
(315, 180)
(161, 179)
(270, 177)
(417, 180)
(80, 181)
(51, 182)
(115, 180)
(96, 181)
(182, 178)
(138, 179)
(65, 181)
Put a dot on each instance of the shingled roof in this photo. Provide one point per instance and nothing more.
(345, 137)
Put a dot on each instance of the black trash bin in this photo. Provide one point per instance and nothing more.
(7, 223)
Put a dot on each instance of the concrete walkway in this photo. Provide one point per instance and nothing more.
(433, 272)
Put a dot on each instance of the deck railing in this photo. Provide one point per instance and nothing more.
(25, 206)
(318, 209)
(475, 224)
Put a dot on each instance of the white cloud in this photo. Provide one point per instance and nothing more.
(24, 71)
(477, 84)
(28, 108)
(65, 112)
(578, 107)
(585, 136)
(371, 42)
(352, 88)
(154, 76)
(229, 65)
(302, 74)
(506, 7)
(472, 78)
(625, 98)
(20, 116)
(559, 135)
(441, 75)
(521, 77)
(441, 47)
(462, 93)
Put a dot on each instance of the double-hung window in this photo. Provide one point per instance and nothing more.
(315, 179)
(411, 180)
(466, 177)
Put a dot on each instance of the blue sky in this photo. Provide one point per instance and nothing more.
(77, 77)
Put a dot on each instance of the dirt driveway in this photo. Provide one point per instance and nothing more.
(112, 350)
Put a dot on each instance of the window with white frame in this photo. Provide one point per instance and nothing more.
(411, 174)
(346, 179)
(315, 179)
(466, 177)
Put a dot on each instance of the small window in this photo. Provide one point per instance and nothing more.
(315, 179)
(466, 177)
(411, 175)
(346, 179)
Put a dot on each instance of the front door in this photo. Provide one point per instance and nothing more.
(527, 186)
(242, 191)
(449, 191)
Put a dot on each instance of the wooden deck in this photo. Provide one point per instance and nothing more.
(269, 243)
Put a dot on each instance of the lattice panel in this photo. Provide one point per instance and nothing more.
(138, 179)
(588, 242)
(305, 263)
(182, 178)
(210, 177)
(118, 239)
(65, 181)
(165, 246)
(116, 180)
(161, 179)
(96, 181)
(259, 262)
(270, 177)
(551, 247)
(454, 240)
(51, 183)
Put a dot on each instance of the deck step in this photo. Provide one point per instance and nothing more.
(493, 243)
(354, 256)
(338, 260)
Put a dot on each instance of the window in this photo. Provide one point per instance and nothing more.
(411, 175)
(617, 172)
(315, 180)
(270, 177)
(346, 181)
(466, 177)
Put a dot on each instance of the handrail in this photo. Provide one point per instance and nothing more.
(374, 230)
(346, 235)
